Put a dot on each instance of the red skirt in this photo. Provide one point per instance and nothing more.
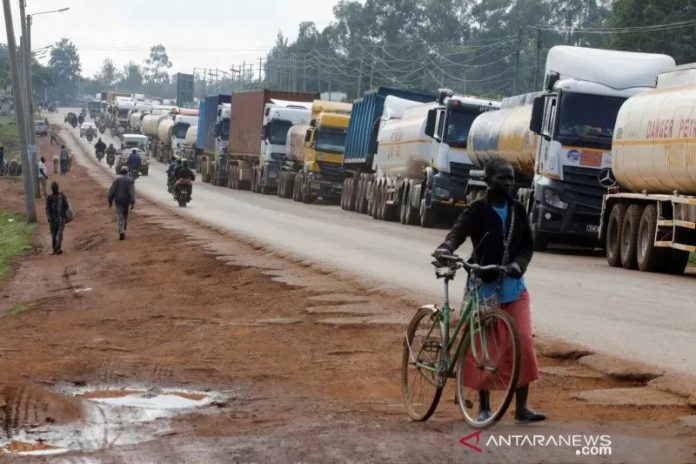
(478, 379)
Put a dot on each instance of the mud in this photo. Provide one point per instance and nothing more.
(295, 365)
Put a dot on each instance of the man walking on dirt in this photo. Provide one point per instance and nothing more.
(56, 212)
(43, 176)
(54, 137)
(64, 160)
(122, 192)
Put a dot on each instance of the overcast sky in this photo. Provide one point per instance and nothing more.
(196, 33)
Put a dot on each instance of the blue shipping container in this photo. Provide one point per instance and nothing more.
(211, 107)
(361, 138)
(200, 137)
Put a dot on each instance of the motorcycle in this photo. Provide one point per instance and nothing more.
(110, 160)
(90, 136)
(100, 155)
(182, 192)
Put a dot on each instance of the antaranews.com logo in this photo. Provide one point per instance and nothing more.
(579, 444)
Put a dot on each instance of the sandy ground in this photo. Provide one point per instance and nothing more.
(303, 367)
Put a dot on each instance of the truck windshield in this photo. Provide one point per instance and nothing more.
(123, 112)
(133, 144)
(587, 120)
(225, 129)
(331, 140)
(457, 130)
(179, 130)
(278, 131)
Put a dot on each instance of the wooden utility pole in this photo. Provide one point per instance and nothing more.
(536, 60)
(28, 89)
(27, 169)
(515, 71)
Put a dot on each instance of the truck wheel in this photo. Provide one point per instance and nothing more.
(344, 194)
(389, 212)
(360, 206)
(650, 258)
(613, 240)
(629, 237)
(411, 212)
(676, 262)
(305, 193)
(289, 184)
(296, 194)
(403, 204)
(426, 213)
(281, 184)
(374, 202)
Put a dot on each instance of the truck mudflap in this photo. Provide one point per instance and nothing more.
(568, 208)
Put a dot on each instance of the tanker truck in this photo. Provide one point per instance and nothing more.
(574, 118)
(171, 133)
(361, 144)
(255, 118)
(190, 143)
(317, 172)
(649, 215)
(422, 165)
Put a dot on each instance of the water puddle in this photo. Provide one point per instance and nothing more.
(108, 418)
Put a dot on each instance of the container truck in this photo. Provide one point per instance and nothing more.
(422, 164)
(258, 130)
(317, 172)
(573, 117)
(94, 107)
(649, 215)
(213, 134)
(361, 143)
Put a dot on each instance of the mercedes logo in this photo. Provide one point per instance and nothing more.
(606, 178)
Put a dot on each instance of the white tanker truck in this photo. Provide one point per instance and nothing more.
(422, 164)
(649, 217)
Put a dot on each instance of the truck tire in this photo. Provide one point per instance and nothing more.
(650, 258)
(629, 237)
(427, 213)
(297, 194)
(289, 184)
(403, 203)
(411, 211)
(281, 184)
(613, 239)
(375, 198)
(389, 212)
(676, 262)
(345, 193)
(360, 203)
(306, 195)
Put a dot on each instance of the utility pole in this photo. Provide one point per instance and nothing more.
(260, 69)
(372, 69)
(360, 75)
(27, 170)
(31, 141)
(515, 71)
(304, 73)
(536, 60)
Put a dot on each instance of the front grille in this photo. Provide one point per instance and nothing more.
(331, 171)
(581, 186)
(460, 169)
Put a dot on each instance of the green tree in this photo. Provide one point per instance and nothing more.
(640, 13)
(108, 75)
(131, 78)
(156, 65)
(65, 63)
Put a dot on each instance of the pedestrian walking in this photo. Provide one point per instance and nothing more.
(64, 160)
(122, 192)
(43, 176)
(57, 208)
(499, 228)
(56, 164)
(54, 137)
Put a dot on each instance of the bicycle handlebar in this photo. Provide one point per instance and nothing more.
(454, 259)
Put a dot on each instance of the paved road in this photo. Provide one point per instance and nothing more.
(576, 296)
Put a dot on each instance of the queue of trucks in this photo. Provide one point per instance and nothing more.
(599, 153)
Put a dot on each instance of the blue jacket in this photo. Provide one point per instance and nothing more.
(134, 161)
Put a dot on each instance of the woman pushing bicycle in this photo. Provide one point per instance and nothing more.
(499, 229)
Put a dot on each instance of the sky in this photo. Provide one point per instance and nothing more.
(196, 33)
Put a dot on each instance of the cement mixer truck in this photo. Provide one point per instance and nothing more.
(574, 120)
(649, 216)
(422, 165)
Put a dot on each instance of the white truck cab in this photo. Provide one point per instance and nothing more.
(222, 129)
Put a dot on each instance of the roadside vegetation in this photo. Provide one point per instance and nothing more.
(9, 137)
(15, 239)
(692, 260)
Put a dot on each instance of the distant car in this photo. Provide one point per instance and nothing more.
(40, 128)
(85, 126)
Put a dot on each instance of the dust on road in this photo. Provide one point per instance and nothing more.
(298, 365)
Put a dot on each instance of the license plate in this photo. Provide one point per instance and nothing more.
(593, 229)
(591, 158)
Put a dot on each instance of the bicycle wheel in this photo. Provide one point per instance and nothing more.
(488, 369)
(423, 369)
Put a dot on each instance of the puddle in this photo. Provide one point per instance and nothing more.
(108, 418)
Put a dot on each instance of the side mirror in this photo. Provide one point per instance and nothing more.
(537, 121)
(309, 136)
(430, 123)
(264, 130)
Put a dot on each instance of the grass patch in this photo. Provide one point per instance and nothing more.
(20, 308)
(15, 239)
(692, 259)
(9, 137)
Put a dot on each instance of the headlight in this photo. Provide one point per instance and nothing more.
(552, 198)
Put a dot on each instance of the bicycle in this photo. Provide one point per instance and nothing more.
(487, 355)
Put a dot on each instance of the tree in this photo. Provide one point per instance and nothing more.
(65, 62)
(131, 78)
(108, 75)
(639, 13)
(156, 65)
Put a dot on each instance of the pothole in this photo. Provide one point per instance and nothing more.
(107, 418)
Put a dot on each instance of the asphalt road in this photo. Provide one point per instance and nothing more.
(576, 296)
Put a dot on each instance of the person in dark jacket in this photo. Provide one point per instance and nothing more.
(489, 224)
(56, 213)
(184, 172)
(122, 192)
(134, 161)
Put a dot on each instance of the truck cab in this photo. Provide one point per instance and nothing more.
(222, 129)
(181, 125)
(574, 117)
(325, 141)
(278, 117)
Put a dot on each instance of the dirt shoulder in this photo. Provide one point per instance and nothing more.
(308, 367)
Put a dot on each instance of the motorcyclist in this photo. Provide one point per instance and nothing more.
(134, 161)
(100, 148)
(110, 154)
(80, 119)
(175, 163)
(183, 174)
(90, 132)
